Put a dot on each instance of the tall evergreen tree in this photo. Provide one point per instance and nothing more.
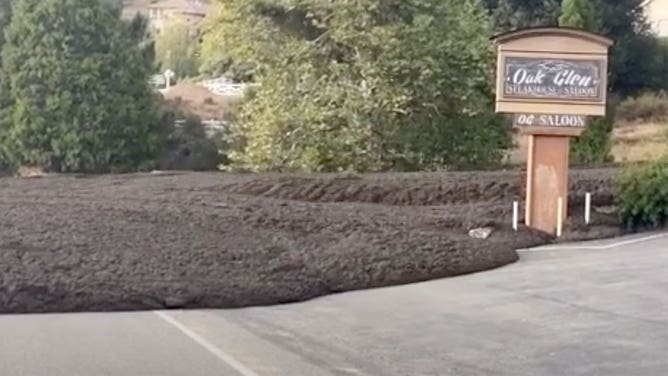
(5, 17)
(140, 33)
(634, 65)
(78, 89)
(583, 14)
(517, 14)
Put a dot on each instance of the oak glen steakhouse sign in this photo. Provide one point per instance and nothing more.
(552, 78)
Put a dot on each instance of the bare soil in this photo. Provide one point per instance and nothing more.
(147, 241)
(449, 188)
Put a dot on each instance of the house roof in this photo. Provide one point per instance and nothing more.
(186, 6)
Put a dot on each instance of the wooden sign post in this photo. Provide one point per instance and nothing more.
(551, 79)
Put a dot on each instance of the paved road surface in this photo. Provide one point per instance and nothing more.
(598, 309)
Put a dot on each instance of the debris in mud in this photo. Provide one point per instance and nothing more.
(481, 232)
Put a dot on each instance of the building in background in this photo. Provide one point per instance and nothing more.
(161, 12)
(657, 14)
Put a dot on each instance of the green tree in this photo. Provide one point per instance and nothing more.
(140, 33)
(216, 58)
(583, 14)
(363, 84)
(517, 14)
(78, 91)
(5, 17)
(176, 49)
(634, 66)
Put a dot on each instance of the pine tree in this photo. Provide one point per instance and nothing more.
(139, 32)
(517, 14)
(79, 98)
(5, 17)
(583, 14)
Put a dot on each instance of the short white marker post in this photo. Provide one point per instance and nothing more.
(588, 208)
(516, 214)
(560, 216)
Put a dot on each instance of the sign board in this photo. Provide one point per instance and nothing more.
(552, 71)
(549, 120)
(553, 79)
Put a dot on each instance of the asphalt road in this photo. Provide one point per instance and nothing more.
(590, 309)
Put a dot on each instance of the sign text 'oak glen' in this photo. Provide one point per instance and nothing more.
(541, 78)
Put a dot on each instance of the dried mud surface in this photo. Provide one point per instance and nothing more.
(146, 241)
(415, 188)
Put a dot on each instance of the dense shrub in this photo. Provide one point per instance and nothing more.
(187, 146)
(642, 195)
(646, 107)
(371, 85)
(594, 145)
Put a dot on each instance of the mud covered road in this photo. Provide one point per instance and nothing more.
(147, 241)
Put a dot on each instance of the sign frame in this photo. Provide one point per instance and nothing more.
(550, 43)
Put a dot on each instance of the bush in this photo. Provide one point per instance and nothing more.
(593, 146)
(373, 85)
(642, 195)
(187, 146)
(647, 107)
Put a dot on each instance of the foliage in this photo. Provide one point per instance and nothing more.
(634, 65)
(646, 107)
(77, 92)
(642, 195)
(5, 17)
(517, 14)
(370, 84)
(176, 49)
(583, 14)
(593, 146)
(140, 33)
(216, 60)
(662, 63)
(187, 146)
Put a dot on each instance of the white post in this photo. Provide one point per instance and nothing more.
(560, 216)
(516, 214)
(588, 208)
